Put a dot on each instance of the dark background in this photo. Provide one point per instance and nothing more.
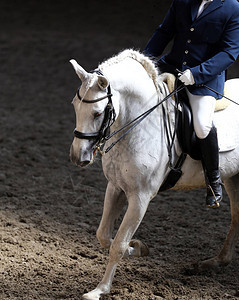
(55, 31)
(49, 209)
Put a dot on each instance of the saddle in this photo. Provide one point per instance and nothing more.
(186, 135)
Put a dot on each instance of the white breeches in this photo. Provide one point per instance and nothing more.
(203, 110)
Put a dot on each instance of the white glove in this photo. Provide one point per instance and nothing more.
(186, 77)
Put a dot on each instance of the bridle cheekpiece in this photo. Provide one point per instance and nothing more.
(109, 118)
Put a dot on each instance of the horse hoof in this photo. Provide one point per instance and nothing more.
(91, 296)
(142, 248)
(87, 297)
(206, 267)
(209, 265)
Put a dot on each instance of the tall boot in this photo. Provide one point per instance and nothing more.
(210, 161)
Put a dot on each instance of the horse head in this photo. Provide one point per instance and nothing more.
(91, 105)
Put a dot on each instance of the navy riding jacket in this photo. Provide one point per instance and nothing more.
(206, 45)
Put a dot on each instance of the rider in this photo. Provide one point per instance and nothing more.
(206, 43)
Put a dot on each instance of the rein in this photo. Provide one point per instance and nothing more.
(139, 119)
(103, 134)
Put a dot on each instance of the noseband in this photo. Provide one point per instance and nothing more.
(109, 118)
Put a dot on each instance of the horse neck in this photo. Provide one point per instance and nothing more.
(136, 94)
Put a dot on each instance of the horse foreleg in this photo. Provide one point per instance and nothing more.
(225, 256)
(120, 245)
(114, 201)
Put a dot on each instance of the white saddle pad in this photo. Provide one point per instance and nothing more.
(227, 120)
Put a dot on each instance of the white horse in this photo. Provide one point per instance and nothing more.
(137, 165)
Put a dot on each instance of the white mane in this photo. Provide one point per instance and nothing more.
(146, 62)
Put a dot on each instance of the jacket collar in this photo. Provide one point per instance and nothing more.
(195, 6)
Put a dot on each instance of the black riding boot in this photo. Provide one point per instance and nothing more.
(210, 162)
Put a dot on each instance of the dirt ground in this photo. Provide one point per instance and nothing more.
(50, 209)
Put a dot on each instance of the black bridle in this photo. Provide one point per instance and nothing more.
(109, 118)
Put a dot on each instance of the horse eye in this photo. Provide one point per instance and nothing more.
(96, 115)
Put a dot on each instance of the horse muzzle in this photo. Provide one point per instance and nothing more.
(81, 158)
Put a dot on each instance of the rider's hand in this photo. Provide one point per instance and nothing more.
(186, 77)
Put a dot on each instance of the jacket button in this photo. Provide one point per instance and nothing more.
(189, 41)
(186, 51)
(192, 29)
(184, 63)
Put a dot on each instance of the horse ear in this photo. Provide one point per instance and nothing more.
(83, 75)
(102, 82)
